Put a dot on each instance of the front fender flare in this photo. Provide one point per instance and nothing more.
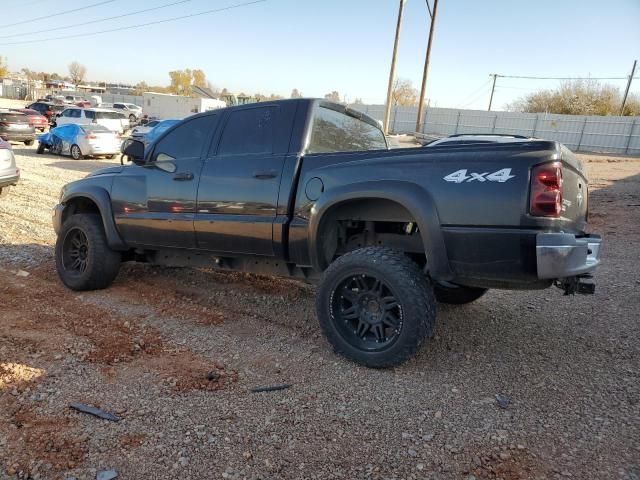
(412, 197)
(101, 198)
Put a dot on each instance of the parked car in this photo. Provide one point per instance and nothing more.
(9, 173)
(140, 130)
(46, 109)
(134, 112)
(80, 141)
(38, 121)
(72, 99)
(15, 126)
(162, 126)
(308, 188)
(85, 116)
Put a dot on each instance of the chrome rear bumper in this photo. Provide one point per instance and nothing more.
(562, 255)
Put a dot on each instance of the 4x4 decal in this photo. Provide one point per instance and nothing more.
(461, 176)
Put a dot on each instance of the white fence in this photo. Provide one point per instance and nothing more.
(578, 132)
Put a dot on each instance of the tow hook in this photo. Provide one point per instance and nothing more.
(573, 285)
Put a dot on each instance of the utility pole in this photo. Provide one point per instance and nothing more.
(392, 72)
(493, 88)
(423, 90)
(626, 90)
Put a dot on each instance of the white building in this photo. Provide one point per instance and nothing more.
(165, 105)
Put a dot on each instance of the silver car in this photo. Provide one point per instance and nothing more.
(80, 141)
(9, 173)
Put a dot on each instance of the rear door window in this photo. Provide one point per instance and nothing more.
(248, 132)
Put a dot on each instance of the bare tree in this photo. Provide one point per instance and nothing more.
(403, 93)
(77, 72)
(333, 96)
(4, 69)
(295, 93)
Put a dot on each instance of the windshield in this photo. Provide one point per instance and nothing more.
(109, 115)
(95, 128)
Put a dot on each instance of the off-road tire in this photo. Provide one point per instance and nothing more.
(28, 143)
(75, 152)
(457, 294)
(110, 157)
(132, 118)
(40, 149)
(102, 263)
(409, 285)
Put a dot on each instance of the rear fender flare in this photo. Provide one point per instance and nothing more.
(101, 198)
(413, 198)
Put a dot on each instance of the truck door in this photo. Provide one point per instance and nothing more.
(155, 204)
(240, 180)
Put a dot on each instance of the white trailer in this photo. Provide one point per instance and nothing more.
(165, 105)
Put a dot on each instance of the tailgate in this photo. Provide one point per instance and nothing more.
(574, 190)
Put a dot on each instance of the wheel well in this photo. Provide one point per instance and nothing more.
(365, 222)
(79, 205)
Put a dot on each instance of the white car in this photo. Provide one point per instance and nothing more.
(134, 112)
(114, 121)
(80, 141)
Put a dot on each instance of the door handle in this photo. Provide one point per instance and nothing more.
(182, 176)
(264, 175)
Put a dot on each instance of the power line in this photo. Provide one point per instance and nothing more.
(57, 14)
(476, 91)
(477, 97)
(34, 32)
(230, 7)
(561, 78)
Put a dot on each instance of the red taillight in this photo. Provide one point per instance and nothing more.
(546, 190)
(90, 137)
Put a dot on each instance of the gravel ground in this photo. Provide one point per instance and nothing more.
(175, 353)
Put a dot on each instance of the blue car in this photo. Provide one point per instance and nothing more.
(149, 137)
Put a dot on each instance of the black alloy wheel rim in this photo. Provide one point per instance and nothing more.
(366, 312)
(75, 251)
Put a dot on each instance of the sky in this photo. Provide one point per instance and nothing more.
(318, 46)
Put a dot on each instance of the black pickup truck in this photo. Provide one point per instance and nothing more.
(309, 189)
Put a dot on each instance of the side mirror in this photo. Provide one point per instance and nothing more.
(134, 149)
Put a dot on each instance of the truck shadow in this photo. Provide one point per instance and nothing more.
(88, 165)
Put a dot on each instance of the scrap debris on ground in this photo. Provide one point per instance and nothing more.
(515, 385)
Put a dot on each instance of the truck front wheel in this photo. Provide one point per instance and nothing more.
(376, 307)
(457, 294)
(83, 259)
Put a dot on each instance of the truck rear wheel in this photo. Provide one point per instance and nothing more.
(376, 307)
(83, 259)
(457, 294)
